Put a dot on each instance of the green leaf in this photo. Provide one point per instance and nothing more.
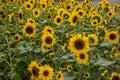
(104, 62)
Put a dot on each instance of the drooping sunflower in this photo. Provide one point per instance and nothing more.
(30, 20)
(29, 30)
(58, 20)
(87, 75)
(73, 19)
(69, 68)
(20, 18)
(115, 76)
(112, 36)
(36, 12)
(17, 37)
(28, 6)
(46, 73)
(48, 40)
(35, 70)
(78, 43)
(59, 76)
(49, 30)
(93, 39)
(82, 57)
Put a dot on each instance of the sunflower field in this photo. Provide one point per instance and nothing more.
(65, 40)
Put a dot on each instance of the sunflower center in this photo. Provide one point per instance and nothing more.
(31, 21)
(59, 76)
(82, 56)
(110, 14)
(11, 0)
(69, 68)
(119, 49)
(49, 30)
(49, 16)
(86, 75)
(43, 5)
(29, 30)
(75, 19)
(48, 40)
(58, 20)
(115, 78)
(80, 13)
(68, 7)
(20, 15)
(35, 71)
(31, 1)
(79, 44)
(36, 12)
(28, 5)
(94, 22)
(112, 36)
(16, 38)
(45, 73)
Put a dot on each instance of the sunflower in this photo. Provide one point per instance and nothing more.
(20, 13)
(30, 20)
(64, 47)
(58, 20)
(49, 30)
(48, 40)
(69, 68)
(28, 6)
(78, 43)
(110, 14)
(59, 76)
(46, 73)
(29, 30)
(104, 72)
(112, 36)
(43, 6)
(81, 13)
(66, 15)
(82, 57)
(49, 16)
(87, 75)
(35, 70)
(73, 19)
(32, 1)
(93, 39)
(36, 12)
(10, 17)
(78, 7)
(94, 22)
(17, 37)
(68, 7)
(97, 17)
(118, 49)
(104, 22)
(115, 76)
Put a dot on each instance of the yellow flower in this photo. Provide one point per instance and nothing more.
(36, 12)
(17, 37)
(87, 75)
(58, 20)
(104, 72)
(29, 30)
(115, 76)
(112, 36)
(69, 68)
(35, 70)
(46, 73)
(49, 30)
(28, 6)
(30, 20)
(64, 47)
(59, 76)
(74, 19)
(48, 40)
(94, 22)
(93, 39)
(79, 43)
(20, 13)
(82, 57)
(11, 17)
